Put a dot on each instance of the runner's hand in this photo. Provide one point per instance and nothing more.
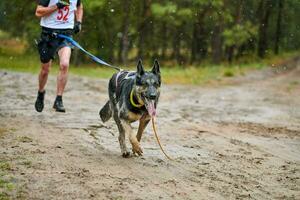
(61, 4)
(77, 27)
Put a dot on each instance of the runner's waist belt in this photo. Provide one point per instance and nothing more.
(50, 31)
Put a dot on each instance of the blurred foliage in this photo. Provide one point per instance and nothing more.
(183, 32)
(239, 34)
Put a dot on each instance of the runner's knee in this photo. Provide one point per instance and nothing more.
(64, 66)
(45, 69)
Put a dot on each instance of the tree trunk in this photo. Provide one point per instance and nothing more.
(278, 27)
(229, 53)
(124, 41)
(143, 27)
(199, 44)
(108, 43)
(194, 44)
(164, 40)
(176, 45)
(217, 44)
(263, 28)
(238, 19)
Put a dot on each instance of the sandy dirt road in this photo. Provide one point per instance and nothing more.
(238, 141)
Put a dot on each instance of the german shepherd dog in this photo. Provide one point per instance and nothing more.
(132, 96)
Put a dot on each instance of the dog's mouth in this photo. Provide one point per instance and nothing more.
(150, 106)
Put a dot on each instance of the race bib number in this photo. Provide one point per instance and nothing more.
(63, 14)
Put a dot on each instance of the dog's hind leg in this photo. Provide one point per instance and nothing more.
(143, 123)
(105, 112)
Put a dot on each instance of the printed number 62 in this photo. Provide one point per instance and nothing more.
(63, 13)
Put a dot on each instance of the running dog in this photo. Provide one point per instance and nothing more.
(132, 96)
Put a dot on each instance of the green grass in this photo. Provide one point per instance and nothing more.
(171, 75)
(5, 187)
(4, 35)
(4, 166)
(10, 186)
(205, 74)
(31, 64)
(19, 63)
(228, 73)
(6, 184)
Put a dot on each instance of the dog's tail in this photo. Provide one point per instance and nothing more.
(105, 112)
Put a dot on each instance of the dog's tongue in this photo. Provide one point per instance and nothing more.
(151, 108)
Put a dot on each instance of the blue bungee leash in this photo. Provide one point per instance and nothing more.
(94, 58)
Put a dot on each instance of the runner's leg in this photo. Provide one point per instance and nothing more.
(43, 76)
(64, 62)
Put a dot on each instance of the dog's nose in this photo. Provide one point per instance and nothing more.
(152, 96)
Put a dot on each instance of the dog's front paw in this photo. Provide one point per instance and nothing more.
(126, 154)
(136, 149)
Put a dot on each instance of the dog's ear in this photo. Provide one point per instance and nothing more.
(140, 69)
(155, 69)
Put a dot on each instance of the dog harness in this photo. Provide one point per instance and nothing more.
(128, 75)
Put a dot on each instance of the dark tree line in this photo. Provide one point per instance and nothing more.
(181, 31)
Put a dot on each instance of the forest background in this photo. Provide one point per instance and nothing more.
(186, 36)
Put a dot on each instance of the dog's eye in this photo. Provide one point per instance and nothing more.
(155, 84)
(139, 82)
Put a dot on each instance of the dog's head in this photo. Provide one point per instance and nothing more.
(147, 85)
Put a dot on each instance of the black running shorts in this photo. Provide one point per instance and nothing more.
(49, 45)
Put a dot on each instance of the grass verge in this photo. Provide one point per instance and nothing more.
(171, 75)
(6, 185)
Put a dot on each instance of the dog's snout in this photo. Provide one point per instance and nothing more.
(152, 96)
(152, 93)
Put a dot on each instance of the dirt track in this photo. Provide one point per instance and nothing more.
(239, 141)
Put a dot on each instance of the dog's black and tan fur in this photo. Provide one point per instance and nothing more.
(132, 96)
